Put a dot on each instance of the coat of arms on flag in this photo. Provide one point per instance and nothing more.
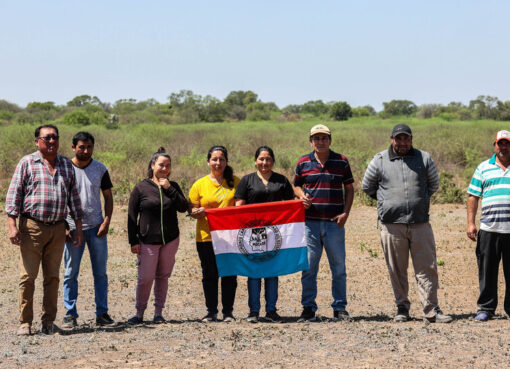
(259, 240)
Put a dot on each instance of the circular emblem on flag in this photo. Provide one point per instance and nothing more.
(259, 240)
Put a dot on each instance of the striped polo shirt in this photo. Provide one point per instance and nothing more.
(492, 183)
(323, 184)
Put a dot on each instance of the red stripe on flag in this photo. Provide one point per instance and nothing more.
(256, 215)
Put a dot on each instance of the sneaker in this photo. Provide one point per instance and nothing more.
(24, 330)
(308, 315)
(273, 316)
(69, 322)
(210, 317)
(104, 319)
(158, 319)
(402, 315)
(253, 317)
(50, 329)
(135, 320)
(228, 317)
(339, 315)
(483, 316)
(439, 317)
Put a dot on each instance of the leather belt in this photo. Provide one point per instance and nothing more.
(28, 216)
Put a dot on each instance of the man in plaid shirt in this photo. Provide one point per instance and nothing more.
(42, 187)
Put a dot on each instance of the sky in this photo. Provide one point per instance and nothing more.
(289, 52)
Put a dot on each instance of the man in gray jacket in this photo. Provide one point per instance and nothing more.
(403, 179)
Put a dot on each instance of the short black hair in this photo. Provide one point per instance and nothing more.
(38, 129)
(82, 136)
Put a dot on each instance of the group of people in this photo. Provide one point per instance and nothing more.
(54, 208)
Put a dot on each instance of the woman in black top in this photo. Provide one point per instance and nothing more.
(154, 233)
(263, 186)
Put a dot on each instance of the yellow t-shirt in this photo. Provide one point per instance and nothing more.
(205, 193)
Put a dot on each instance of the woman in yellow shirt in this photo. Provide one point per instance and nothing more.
(215, 190)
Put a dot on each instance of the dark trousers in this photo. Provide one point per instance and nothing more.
(210, 281)
(491, 247)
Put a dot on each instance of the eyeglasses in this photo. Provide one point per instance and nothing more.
(503, 143)
(318, 139)
(49, 138)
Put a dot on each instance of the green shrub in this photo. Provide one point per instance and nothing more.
(76, 118)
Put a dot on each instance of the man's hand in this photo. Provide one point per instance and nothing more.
(77, 238)
(103, 229)
(14, 235)
(69, 238)
(305, 199)
(472, 231)
(135, 249)
(340, 219)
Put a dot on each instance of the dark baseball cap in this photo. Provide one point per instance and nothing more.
(401, 128)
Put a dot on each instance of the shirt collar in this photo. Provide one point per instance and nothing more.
(38, 157)
(492, 160)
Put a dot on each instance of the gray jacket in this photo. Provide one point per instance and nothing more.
(402, 185)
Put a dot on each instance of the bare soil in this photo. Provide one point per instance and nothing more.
(371, 340)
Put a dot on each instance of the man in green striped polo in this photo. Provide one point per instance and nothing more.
(491, 182)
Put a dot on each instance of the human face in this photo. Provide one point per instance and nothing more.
(50, 147)
(217, 162)
(401, 143)
(83, 150)
(161, 168)
(264, 162)
(502, 149)
(320, 143)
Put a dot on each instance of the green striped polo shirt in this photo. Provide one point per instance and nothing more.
(492, 184)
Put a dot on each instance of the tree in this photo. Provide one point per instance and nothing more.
(258, 111)
(36, 106)
(240, 98)
(363, 111)
(83, 100)
(76, 118)
(340, 111)
(315, 107)
(399, 107)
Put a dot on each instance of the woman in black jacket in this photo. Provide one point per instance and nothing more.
(154, 233)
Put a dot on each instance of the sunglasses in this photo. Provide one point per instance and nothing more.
(49, 138)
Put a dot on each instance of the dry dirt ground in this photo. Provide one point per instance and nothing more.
(371, 340)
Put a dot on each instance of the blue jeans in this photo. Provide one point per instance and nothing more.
(331, 237)
(98, 251)
(270, 290)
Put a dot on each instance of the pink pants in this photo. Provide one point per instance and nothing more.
(155, 262)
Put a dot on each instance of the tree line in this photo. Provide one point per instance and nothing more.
(187, 107)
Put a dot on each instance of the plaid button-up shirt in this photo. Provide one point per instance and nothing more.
(34, 191)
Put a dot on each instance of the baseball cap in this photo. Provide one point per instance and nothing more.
(502, 135)
(320, 128)
(401, 128)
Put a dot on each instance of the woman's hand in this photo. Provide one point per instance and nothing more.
(135, 249)
(164, 182)
(198, 213)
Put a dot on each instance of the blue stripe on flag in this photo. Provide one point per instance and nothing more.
(286, 261)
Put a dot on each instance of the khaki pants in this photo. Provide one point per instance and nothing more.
(40, 244)
(398, 240)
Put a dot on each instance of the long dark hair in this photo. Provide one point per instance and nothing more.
(161, 152)
(265, 148)
(228, 174)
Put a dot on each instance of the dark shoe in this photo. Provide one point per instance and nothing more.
(135, 320)
(253, 317)
(24, 330)
(228, 317)
(402, 315)
(272, 316)
(210, 317)
(439, 317)
(50, 329)
(104, 319)
(483, 316)
(308, 315)
(69, 322)
(158, 319)
(339, 315)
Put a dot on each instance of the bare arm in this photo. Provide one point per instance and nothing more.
(240, 202)
(472, 208)
(300, 194)
(340, 219)
(108, 211)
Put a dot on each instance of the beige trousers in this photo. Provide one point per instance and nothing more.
(398, 240)
(40, 245)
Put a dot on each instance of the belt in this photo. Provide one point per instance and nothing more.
(28, 216)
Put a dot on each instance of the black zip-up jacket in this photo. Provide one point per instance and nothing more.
(146, 221)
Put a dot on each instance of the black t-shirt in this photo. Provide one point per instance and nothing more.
(253, 191)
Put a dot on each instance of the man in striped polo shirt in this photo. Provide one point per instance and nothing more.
(491, 182)
(322, 179)
(402, 179)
